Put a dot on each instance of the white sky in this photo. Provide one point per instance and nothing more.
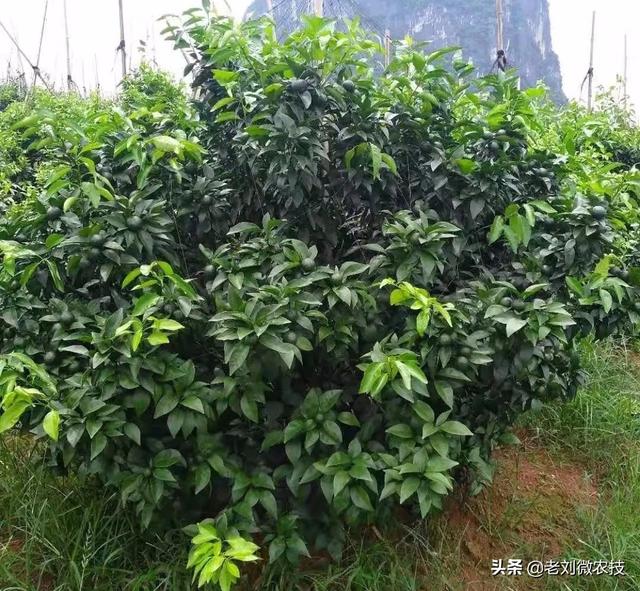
(94, 35)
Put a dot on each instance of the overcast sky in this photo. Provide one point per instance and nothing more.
(94, 36)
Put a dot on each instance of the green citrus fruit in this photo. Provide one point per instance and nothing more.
(445, 340)
(134, 222)
(598, 212)
(308, 264)
(462, 362)
(291, 337)
(53, 213)
(97, 239)
(349, 85)
(298, 85)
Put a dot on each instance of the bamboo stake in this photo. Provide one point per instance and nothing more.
(95, 65)
(387, 47)
(499, 25)
(44, 22)
(590, 73)
(67, 46)
(626, 66)
(22, 54)
(122, 46)
(318, 7)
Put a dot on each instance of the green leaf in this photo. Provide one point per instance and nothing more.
(371, 375)
(514, 324)
(360, 498)
(347, 418)
(272, 438)
(166, 143)
(286, 351)
(166, 404)
(131, 276)
(167, 458)
(440, 464)
(332, 431)
(606, 299)
(249, 408)
(194, 403)
(53, 240)
(157, 338)
(455, 428)
(445, 391)
(77, 349)
(424, 411)
(167, 324)
(98, 443)
(237, 356)
(12, 415)
(91, 191)
(401, 430)
(465, 165)
(144, 303)
(223, 102)
(376, 161)
(405, 374)
(202, 477)
(164, 475)
(51, 424)
(340, 480)
(496, 229)
(132, 432)
(408, 488)
(55, 275)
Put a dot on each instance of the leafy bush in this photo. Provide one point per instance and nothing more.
(10, 92)
(317, 294)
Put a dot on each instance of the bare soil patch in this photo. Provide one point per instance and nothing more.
(530, 512)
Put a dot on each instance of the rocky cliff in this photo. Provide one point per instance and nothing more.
(467, 23)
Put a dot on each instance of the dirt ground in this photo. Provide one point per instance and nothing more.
(529, 512)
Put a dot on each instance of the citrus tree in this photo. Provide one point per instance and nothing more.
(319, 291)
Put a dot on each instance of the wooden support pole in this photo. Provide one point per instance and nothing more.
(318, 7)
(626, 70)
(22, 54)
(590, 72)
(44, 22)
(499, 25)
(122, 47)
(387, 47)
(67, 46)
(97, 73)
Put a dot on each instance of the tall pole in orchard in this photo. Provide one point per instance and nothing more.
(318, 6)
(67, 46)
(590, 71)
(122, 47)
(499, 25)
(626, 69)
(387, 47)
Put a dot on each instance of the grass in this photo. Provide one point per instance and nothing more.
(601, 428)
(60, 534)
(63, 535)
